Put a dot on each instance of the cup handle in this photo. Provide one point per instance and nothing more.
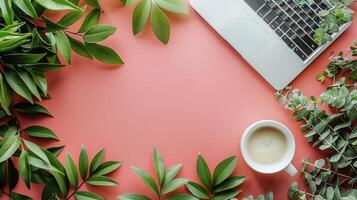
(291, 170)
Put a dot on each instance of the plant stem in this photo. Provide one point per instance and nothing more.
(76, 189)
(328, 170)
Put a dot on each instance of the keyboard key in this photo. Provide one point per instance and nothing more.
(270, 3)
(270, 17)
(314, 6)
(300, 43)
(310, 42)
(310, 21)
(288, 42)
(282, 15)
(276, 23)
(290, 33)
(297, 9)
(295, 17)
(314, 26)
(284, 27)
(279, 32)
(307, 29)
(263, 11)
(301, 23)
(304, 16)
(292, 3)
(300, 53)
(284, 6)
(299, 31)
(317, 19)
(294, 26)
(289, 11)
(255, 4)
(323, 6)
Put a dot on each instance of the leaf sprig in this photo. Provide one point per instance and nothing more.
(153, 9)
(268, 196)
(166, 181)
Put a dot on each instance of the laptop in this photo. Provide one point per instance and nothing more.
(274, 36)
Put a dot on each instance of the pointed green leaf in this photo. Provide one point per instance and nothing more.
(29, 82)
(133, 197)
(173, 185)
(197, 190)
(93, 3)
(83, 163)
(91, 20)
(28, 108)
(159, 166)
(147, 179)
(15, 82)
(23, 58)
(27, 7)
(104, 54)
(96, 161)
(172, 172)
(204, 172)
(106, 168)
(56, 150)
(141, 15)
(34, 148)
(58, 5)
(25, 168)
(224, 170)
(86, 195)
(5, 94)
(160, 24)
(226, 195)
(101, 181)
(17, 196)
(176, 6)
(9, 146)
(79, 48)
(41, 132)
(98, 33)
(71, 171)
(230, 183)
(40, 81)
(71, 18)
(129, 2)
(63, 45)
(6, 11)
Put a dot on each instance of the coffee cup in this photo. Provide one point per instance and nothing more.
(268, 147)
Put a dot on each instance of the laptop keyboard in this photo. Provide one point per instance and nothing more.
(293, 23)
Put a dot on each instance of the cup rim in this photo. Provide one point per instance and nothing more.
(274, 167)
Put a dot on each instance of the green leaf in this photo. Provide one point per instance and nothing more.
(28, 108)
(27, 7)
(129, 2)
(147, 179)
(40, 81)
(5, 95)
(23, 58)
(172, 172)
(230, 183)
(15, 82)
(226, 195)
(98, 33)
(43, 67)
(41, 132)
(63, 45)
(160, 24)
(79, 48)
(50, 191)
(10, 44)
(34, 148)
(133, 197)
(204, 172)
(176, 6)
(25, 168)
(13, 174)
(71, 171)
(6, 11)
(224, 170)
(56, 150)
(101, 181)
(58, 5)
(52, 26)
(83, 163)
(91, 20)
(197, 190)
(9, 146)
(141, 15)
(104, 54)
(29, 82)
(159, 166)
(106, 168)
(71, 18)
(96, 161)
(17, 196)
(173, 185)
(86, 195)
(182, 197)
(93, 3)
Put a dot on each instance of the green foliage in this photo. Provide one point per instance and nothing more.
(329, 123)
(29, 47)
(154, 9)
(166, 181)
(268, 196)
(219, 185)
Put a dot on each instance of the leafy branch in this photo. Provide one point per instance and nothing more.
(159, 21)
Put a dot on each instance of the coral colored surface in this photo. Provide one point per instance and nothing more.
(194, 95)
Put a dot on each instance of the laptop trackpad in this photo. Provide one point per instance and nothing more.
(245, 34)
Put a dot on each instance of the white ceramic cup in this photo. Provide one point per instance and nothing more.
(285, 161)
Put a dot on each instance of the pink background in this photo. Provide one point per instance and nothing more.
(194, 95)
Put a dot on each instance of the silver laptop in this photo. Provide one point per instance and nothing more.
(274, 36)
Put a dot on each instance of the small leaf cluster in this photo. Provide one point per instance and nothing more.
(341, 63)
(154, 9)
(219, 186)
(268, 196)
(165, 184)
(324, 182)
